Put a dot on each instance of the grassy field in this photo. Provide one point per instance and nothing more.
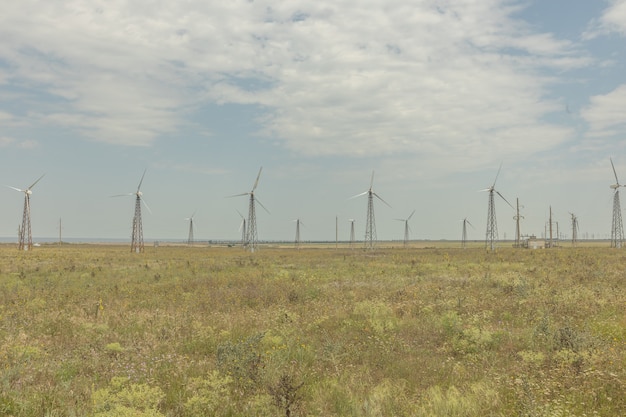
(88, 330)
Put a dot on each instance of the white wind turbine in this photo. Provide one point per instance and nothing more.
(297, 240)
(251, 236)
(407, 229)
(351, 233)
(370, 223)
(136, 241)
(464, 233)
(242, 229)
(190, 237)
(25, 233)
(492, 226)
(617, 228)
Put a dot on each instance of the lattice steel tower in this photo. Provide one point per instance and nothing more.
(297, 240)
(25, 236)
(251, 240)
(242, 229)
(370, 222)
(617, 228)
(351, 233)
(491, 236)
(464, 233)
(517, 218)
(190, 236)
(136, 240)
(407, 229)
(574, 229)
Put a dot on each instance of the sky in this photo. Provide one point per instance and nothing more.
(433, 96)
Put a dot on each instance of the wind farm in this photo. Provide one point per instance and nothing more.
(249, 236)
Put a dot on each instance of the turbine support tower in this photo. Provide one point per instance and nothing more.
(26, 236)
(136, 241)
(351, 233)
(297, 240)
(251, 237)
(464, 233)
(574, 229)
(370, 223)
(190, 236)
(518, 235)
(491, 237)
(617, 228)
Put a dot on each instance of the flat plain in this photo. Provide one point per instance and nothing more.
(93, 330)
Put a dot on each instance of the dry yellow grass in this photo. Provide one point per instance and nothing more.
(189, 331)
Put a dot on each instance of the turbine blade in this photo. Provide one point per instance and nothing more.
(359, 195)
(377, 196)
(261, 204)
(143, 175)
(122, 195)
(494, 181)
(372, 180)
(468, 222)
(486, 189)
(409, 218)
(614, 172)
(16, 189)
(33, 184)
(507, 201)
(145, 204)
(237, 195)
(257, 180)
(240, 215)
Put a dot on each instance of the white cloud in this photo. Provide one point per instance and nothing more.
(606, 114)
(6, 141)
(612, 20)
(336, 77)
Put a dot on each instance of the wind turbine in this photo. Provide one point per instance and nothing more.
(370, 223)
(136, 241)
(517, 218)
(190, 238)
(351, 233)
(406, 228)
(491, 237)
(242, 229)
(251, 235)
(574, 229)
(297, 241)
(25, 233)
(464, 234)
(617, 228)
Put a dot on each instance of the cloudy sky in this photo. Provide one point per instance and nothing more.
(432, 95)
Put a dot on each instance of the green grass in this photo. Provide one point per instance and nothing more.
(179, 331)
